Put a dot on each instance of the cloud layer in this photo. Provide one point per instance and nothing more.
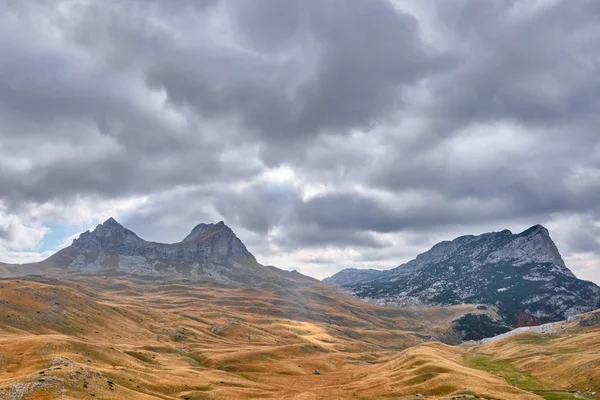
(328, 134)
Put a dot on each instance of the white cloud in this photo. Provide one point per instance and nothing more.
(18, 235)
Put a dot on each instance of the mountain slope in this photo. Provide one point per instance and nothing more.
(522, 274)
(210, 251)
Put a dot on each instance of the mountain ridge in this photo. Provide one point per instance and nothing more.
(522, 274)
(209, 252)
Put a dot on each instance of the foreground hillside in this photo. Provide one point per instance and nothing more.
(115, 338)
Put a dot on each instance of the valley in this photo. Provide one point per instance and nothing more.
(116, 337)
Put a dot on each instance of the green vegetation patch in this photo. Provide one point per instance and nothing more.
(533, 338)
(522, 380)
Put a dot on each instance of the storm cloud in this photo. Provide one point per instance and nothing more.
(327, 134)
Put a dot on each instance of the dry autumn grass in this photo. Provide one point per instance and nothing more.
(113, 338)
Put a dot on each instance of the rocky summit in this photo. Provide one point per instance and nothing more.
(522, 275)
(210, 251)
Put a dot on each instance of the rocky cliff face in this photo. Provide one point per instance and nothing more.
(210, 251)
(523, 275)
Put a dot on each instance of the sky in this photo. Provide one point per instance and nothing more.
(326, 133)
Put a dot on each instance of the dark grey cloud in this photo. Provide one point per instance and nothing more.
(287, 72)
(534, 64)
(84, 122)
(398, 123)
(308, 69)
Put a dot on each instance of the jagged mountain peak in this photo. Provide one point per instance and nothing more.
(217, 233)
(203, 226)
(201, 230)
(108, 231)
(111, 221)
(110, 227)
(536, 230)
(110, 224)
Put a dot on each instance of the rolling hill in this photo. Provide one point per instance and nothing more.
(117, 337)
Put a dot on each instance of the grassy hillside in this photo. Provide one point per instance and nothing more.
(564, 365)
(114, 338)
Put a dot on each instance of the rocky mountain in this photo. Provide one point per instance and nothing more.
(522, 275)
(353, 277)
(210, 251)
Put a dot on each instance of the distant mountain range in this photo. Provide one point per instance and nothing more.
(522, 275)
(210, 252)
